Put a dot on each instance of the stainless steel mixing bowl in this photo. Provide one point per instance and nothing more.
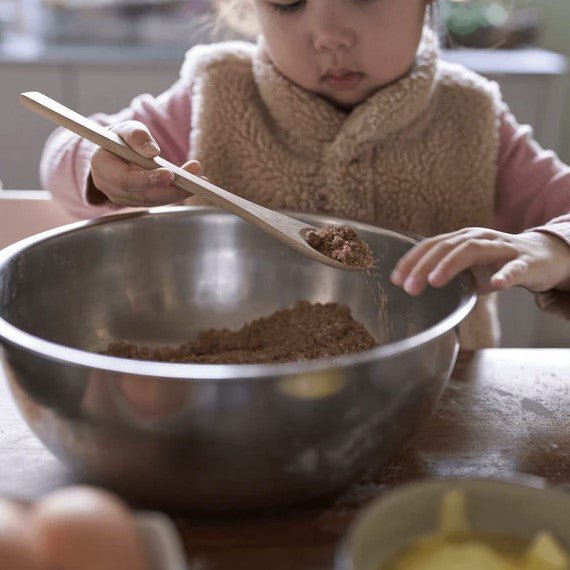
(213, 436)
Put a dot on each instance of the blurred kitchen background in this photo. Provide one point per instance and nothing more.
(96, 55)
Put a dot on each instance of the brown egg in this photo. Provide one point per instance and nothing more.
(88, 529)
(16, 546)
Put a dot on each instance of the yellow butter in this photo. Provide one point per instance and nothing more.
(455, 547)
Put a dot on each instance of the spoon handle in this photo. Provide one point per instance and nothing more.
(289, 230)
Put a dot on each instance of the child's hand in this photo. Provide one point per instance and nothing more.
(127, 184)
(534, 260)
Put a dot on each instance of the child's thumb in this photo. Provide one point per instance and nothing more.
(138, 137)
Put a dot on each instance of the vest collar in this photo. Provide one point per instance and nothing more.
(308, 121)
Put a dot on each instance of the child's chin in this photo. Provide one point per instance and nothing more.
(345, 101)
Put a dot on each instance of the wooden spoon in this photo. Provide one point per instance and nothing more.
(289, 230)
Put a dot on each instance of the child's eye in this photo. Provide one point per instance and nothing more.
(288, 8)
(296, 6)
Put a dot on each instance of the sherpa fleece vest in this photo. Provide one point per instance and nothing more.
(420, 155)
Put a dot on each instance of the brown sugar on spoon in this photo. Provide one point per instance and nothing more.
(342, 244)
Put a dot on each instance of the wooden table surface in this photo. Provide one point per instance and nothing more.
(504, 411)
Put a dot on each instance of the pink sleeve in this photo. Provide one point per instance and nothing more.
(65, 162)
(533, 193)
(533, 185)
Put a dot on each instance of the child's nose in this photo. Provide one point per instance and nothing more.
(329, 33)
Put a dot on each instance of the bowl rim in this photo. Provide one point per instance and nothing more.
(14, 336)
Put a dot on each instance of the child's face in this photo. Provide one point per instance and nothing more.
(343, 50)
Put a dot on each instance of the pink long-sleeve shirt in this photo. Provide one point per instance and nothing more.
(533, 185)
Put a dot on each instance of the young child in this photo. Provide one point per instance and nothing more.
(344, 107)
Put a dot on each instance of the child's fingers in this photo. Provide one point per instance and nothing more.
(111, 171)
(156, 197)
(511, 274)
(126, 184)
(470, 254)
(141, 188)
(426, 264)
(192, 166)
(410, 260)
(138, 137)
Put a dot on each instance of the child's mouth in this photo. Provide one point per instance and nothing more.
(342, 79)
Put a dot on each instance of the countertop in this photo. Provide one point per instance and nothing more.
(504, 411)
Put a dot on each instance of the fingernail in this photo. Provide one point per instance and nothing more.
(151, 148)
(499, 277)
(162, 178)
(396, 277)
(410, 285)
(432, 277)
